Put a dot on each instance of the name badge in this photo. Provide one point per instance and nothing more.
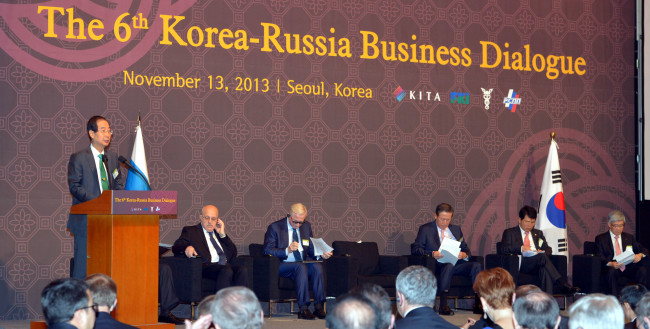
(540, 242)
(115, 173)
(305, 242)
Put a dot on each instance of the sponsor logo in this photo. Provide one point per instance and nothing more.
(399, 93)
(459, 98)
(486, 97)
(512, 100)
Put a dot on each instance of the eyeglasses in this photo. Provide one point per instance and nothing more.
(617, 225)
(105, 131)
(297, 222)
(94, 307)
(209, 218)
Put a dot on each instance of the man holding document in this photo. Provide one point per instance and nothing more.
(289, 239)
(529, 242)
(445, 242)
(621, 253)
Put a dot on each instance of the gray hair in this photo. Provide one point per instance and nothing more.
(236, 308)
(596, 311)
(102, 288)
(536, 310)
(418, 285)
(352, 311)
(643, 306)
(379, 297)
(616, 216)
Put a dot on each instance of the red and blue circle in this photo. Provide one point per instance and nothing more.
(555, 210)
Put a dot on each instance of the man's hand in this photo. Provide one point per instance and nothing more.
(614, 264)
(326, 255)
(202, 323)
(190, 252)
(437, 254)
(220, 227)
(293, 246)
(462, 255)
(638, 257)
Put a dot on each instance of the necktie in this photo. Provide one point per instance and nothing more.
(526, 242)
(618, 251)
(296, 253)
(222, 256)
(102, 174)
(442, 235)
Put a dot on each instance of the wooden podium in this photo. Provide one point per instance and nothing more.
(123, 236)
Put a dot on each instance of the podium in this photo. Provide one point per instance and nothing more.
(123, 237)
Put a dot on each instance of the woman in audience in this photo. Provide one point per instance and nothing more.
(496, 289)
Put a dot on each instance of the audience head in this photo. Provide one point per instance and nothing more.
(352, 311)
(616, 222)
(642, 311)
(104, 291)
(380, 299)
(68, 300)
(536, 310)
(526, 289)
(416, 286)
(495, 287)
(527, 218)
(596, 311)
(630, 296)
(236, 308)
(205, 305)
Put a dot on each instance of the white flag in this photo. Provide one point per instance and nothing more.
(551, 218)
(134, 181)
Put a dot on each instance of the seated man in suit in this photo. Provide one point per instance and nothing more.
(416, 293)
(104, 292)
(614, 242)
(525, 237)
(427, 243)
(289, 240)
(216, 252)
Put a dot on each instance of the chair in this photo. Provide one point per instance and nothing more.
(269, 286)
(461, 286)
(190, 285)
(354, 263)
(587, 269)
(510, 262)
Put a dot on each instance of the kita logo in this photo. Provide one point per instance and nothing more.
(512, 100)
(399, 93)
(487, 94)
(459, 98)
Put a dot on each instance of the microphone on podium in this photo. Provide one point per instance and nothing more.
(124, 161)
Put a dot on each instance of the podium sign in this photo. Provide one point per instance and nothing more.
(123, 236)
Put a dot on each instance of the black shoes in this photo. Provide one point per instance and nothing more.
(445, 310)
(320, 314)
(306, 314)
(170, 318)
(565, 288)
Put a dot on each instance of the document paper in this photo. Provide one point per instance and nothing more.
(449, 249)
(320, 246)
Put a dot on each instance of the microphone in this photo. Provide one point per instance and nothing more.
(125, 162)
(105, 161)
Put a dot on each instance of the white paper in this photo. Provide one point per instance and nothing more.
(320, 246)
(626, 257)
(449, 249)
(531, 253)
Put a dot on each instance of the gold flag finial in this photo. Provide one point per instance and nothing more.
(552, 135)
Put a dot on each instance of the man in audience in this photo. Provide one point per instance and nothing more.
(236, 308)
(629, 298)
(642, 311)
(536, 310)
(416, 293)
(209, 241)
(289, 240)
(379, 298)
(524, 239)
(615, 242)
(205, 305)
(104, 292)
(596, 311)
(428, 242)
(352, 311)
(68, 304)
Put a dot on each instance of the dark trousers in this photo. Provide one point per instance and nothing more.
(78, 226)
(226, 275)
(301, 274)
(633, 271)
(445, 271)
(166, 291)
(542, 265)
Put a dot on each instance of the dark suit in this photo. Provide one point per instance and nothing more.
(511, 243)
(276, 242)
(633, 271)
(84, 186)
(428, 241)
(106, 321)
(225, 275)
(423, 318)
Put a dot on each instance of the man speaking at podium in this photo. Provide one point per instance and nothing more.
(90, 171)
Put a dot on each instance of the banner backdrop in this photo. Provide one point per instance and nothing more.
(369, 112)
